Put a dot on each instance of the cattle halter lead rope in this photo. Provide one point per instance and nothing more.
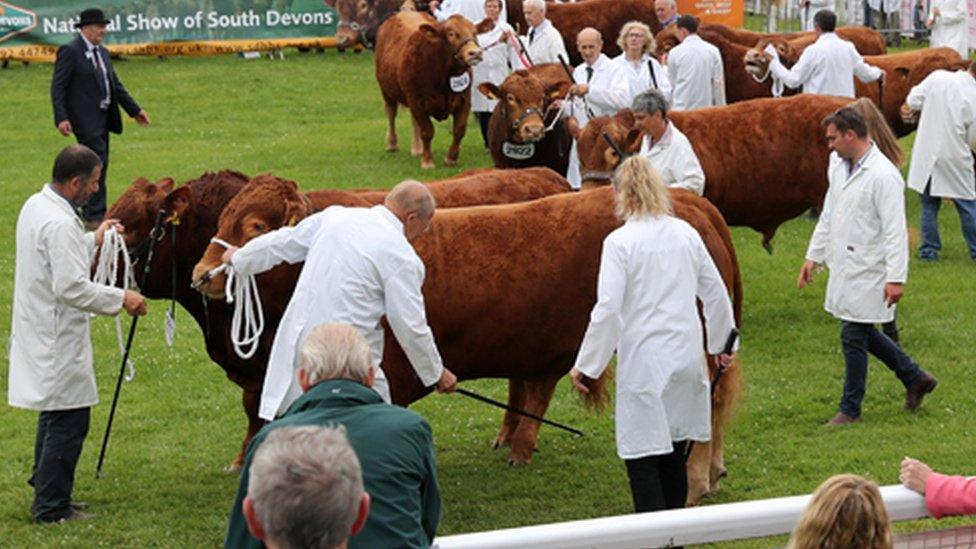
(107, 273)
(247, 322)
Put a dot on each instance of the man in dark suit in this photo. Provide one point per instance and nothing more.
(86, 94)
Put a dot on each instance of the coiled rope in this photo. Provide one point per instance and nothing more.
(247, 322)
(107, 273)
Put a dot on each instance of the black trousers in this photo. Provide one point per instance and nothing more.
(659, 482)
(60, 436)
(483, 118)
(94, 209)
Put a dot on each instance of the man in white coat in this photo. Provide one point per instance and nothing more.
(828, 66)
(543, 42)
(601, 88)
(652, 271)
(50, 340)
(942, 160)
(695, 69)
(359, 266)
(472, 10)
(949, 21)
(862, 237)
(665, 146)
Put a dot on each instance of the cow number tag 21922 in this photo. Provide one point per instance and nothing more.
(517, 151)
(460, 82)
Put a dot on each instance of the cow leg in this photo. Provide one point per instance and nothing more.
(460, 119)
(391, 135)
(727, 396)
(717, 466)
(523, 441)
(252, 402)
(417, 147)
(697, 468)
(426, 128)
(516, 399)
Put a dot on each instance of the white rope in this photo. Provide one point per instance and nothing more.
(247, 322)
(107, 273)
(559, 114)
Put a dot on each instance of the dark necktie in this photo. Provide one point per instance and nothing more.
(531, 35)
(589, 73)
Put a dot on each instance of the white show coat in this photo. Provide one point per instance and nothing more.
(862, 237)
(651, 271)
(639, 76)
(951, 27)
(828, 67)
(50, 340)
(607, 94)
(472, 10)
(546, 46)
(493, 67)
(358, 267)
(696, 72)
(946, 131)
(806, 15)
(675, 160)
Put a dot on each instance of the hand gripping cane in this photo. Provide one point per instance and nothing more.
(153, 237)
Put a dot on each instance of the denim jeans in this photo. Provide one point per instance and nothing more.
(57, 447)
(931, 243)
(859, 339)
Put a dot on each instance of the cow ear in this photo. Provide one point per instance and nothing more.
(430, 31)
(632, 142)
(625, 117)
(573, 126)
(490, 90)
(485, 26)
(902, 72)
(166, 184)
(176, 203)
(558, 90)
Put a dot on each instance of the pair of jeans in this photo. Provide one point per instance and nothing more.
(931, 243)
(658, 482)
(60, 436)
(858, 339)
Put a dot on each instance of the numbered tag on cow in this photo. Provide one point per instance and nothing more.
(169, 327)
(460, 82)
(517, 151)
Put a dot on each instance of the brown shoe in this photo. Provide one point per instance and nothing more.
(842, 419)
(918, 390)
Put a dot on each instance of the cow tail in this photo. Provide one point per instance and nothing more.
(880, 132)
(599, 396)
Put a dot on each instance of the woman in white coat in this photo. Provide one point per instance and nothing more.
(643, 70)
(949, 22)
(652, 271)
(493, 67)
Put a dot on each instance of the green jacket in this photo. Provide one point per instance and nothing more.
(396, 451)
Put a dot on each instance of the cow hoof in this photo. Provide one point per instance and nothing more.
(513, 462)
(500, 441)
(416, 152)
(233, 467)
(427, 165)
(392, 148)
(450, 162)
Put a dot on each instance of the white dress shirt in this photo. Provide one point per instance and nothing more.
(608, 93)
(359, 266)
(946, 134)
(828, 67)
(545, 45)
(472, 10)
(639, 76)
(696, 72)
(862, 237)
(951, 27)
(675, 160)
(493, 67)
(50, 339)
(651, 272)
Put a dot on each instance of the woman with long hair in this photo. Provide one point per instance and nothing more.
(845, 511)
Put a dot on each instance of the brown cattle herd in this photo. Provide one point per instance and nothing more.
(513, 253)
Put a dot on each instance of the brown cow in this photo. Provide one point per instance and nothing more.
(867, 41)
(426, 65)
(516, 130)
(765, 160)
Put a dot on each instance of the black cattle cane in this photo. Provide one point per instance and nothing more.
(519, 411)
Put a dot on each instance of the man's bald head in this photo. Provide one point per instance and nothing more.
(411, 197)
(589, 33)
(589, 42)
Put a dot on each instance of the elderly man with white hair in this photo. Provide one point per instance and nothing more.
(542, 42)
(666, 12)
(395, 447)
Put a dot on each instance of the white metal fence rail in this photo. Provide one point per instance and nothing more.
(708, 524)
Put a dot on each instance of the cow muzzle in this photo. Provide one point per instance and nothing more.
(468, 52)
(756, 64)
(209, 280)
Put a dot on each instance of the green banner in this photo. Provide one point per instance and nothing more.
(34, 28)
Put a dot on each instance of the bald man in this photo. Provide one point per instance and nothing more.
(360, 265)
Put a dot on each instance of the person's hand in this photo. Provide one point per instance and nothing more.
(893, 292)
(64, 127)
(936, 12)
(433, 5)
(579, 90)
(579, 381)
(106, 225)
(142, 118)
(806, 274)
(228, 254)
(724, 361)
(447, 383)
(882, 78)
(929, 23)
(770, 51)
(134, 303)
(914, 474)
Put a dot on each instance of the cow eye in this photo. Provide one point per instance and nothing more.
(259, 226)
(510, 98)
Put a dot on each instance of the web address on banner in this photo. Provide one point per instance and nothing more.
(208, 20)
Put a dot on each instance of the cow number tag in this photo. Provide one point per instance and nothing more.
(169, 327)
(515, 151)
(460, 82)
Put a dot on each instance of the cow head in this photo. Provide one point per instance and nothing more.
(597, 158)
(136, 208)
(458, 35)
(264, 204)
(353, 15)
(667, 39)
(757, 61)
(524, 100)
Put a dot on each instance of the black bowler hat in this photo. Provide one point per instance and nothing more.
(91, 16)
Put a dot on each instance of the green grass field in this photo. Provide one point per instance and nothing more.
(318, 119)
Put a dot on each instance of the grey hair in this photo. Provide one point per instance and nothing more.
(650, 102)
(650, 46)
(537, 4)
(335, 351)
(306, 484)
(413, 197)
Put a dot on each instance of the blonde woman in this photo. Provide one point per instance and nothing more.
(845, 511)
(652, 270)
(638, 60)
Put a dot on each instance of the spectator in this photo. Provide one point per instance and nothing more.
(919, 19)
(695, 69)
(473, 10)
(949, 21)
(394, 445)
(306, 490)
(638, 61)
(944, 495)
(810, 8)
(666, 12)
(665, 146)
(493, 67)
(845, 511)
(652, 271)
(543, 42)
(886, 15)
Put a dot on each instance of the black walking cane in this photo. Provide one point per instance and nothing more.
(518, 411)
(729, 344)
(128, 345)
